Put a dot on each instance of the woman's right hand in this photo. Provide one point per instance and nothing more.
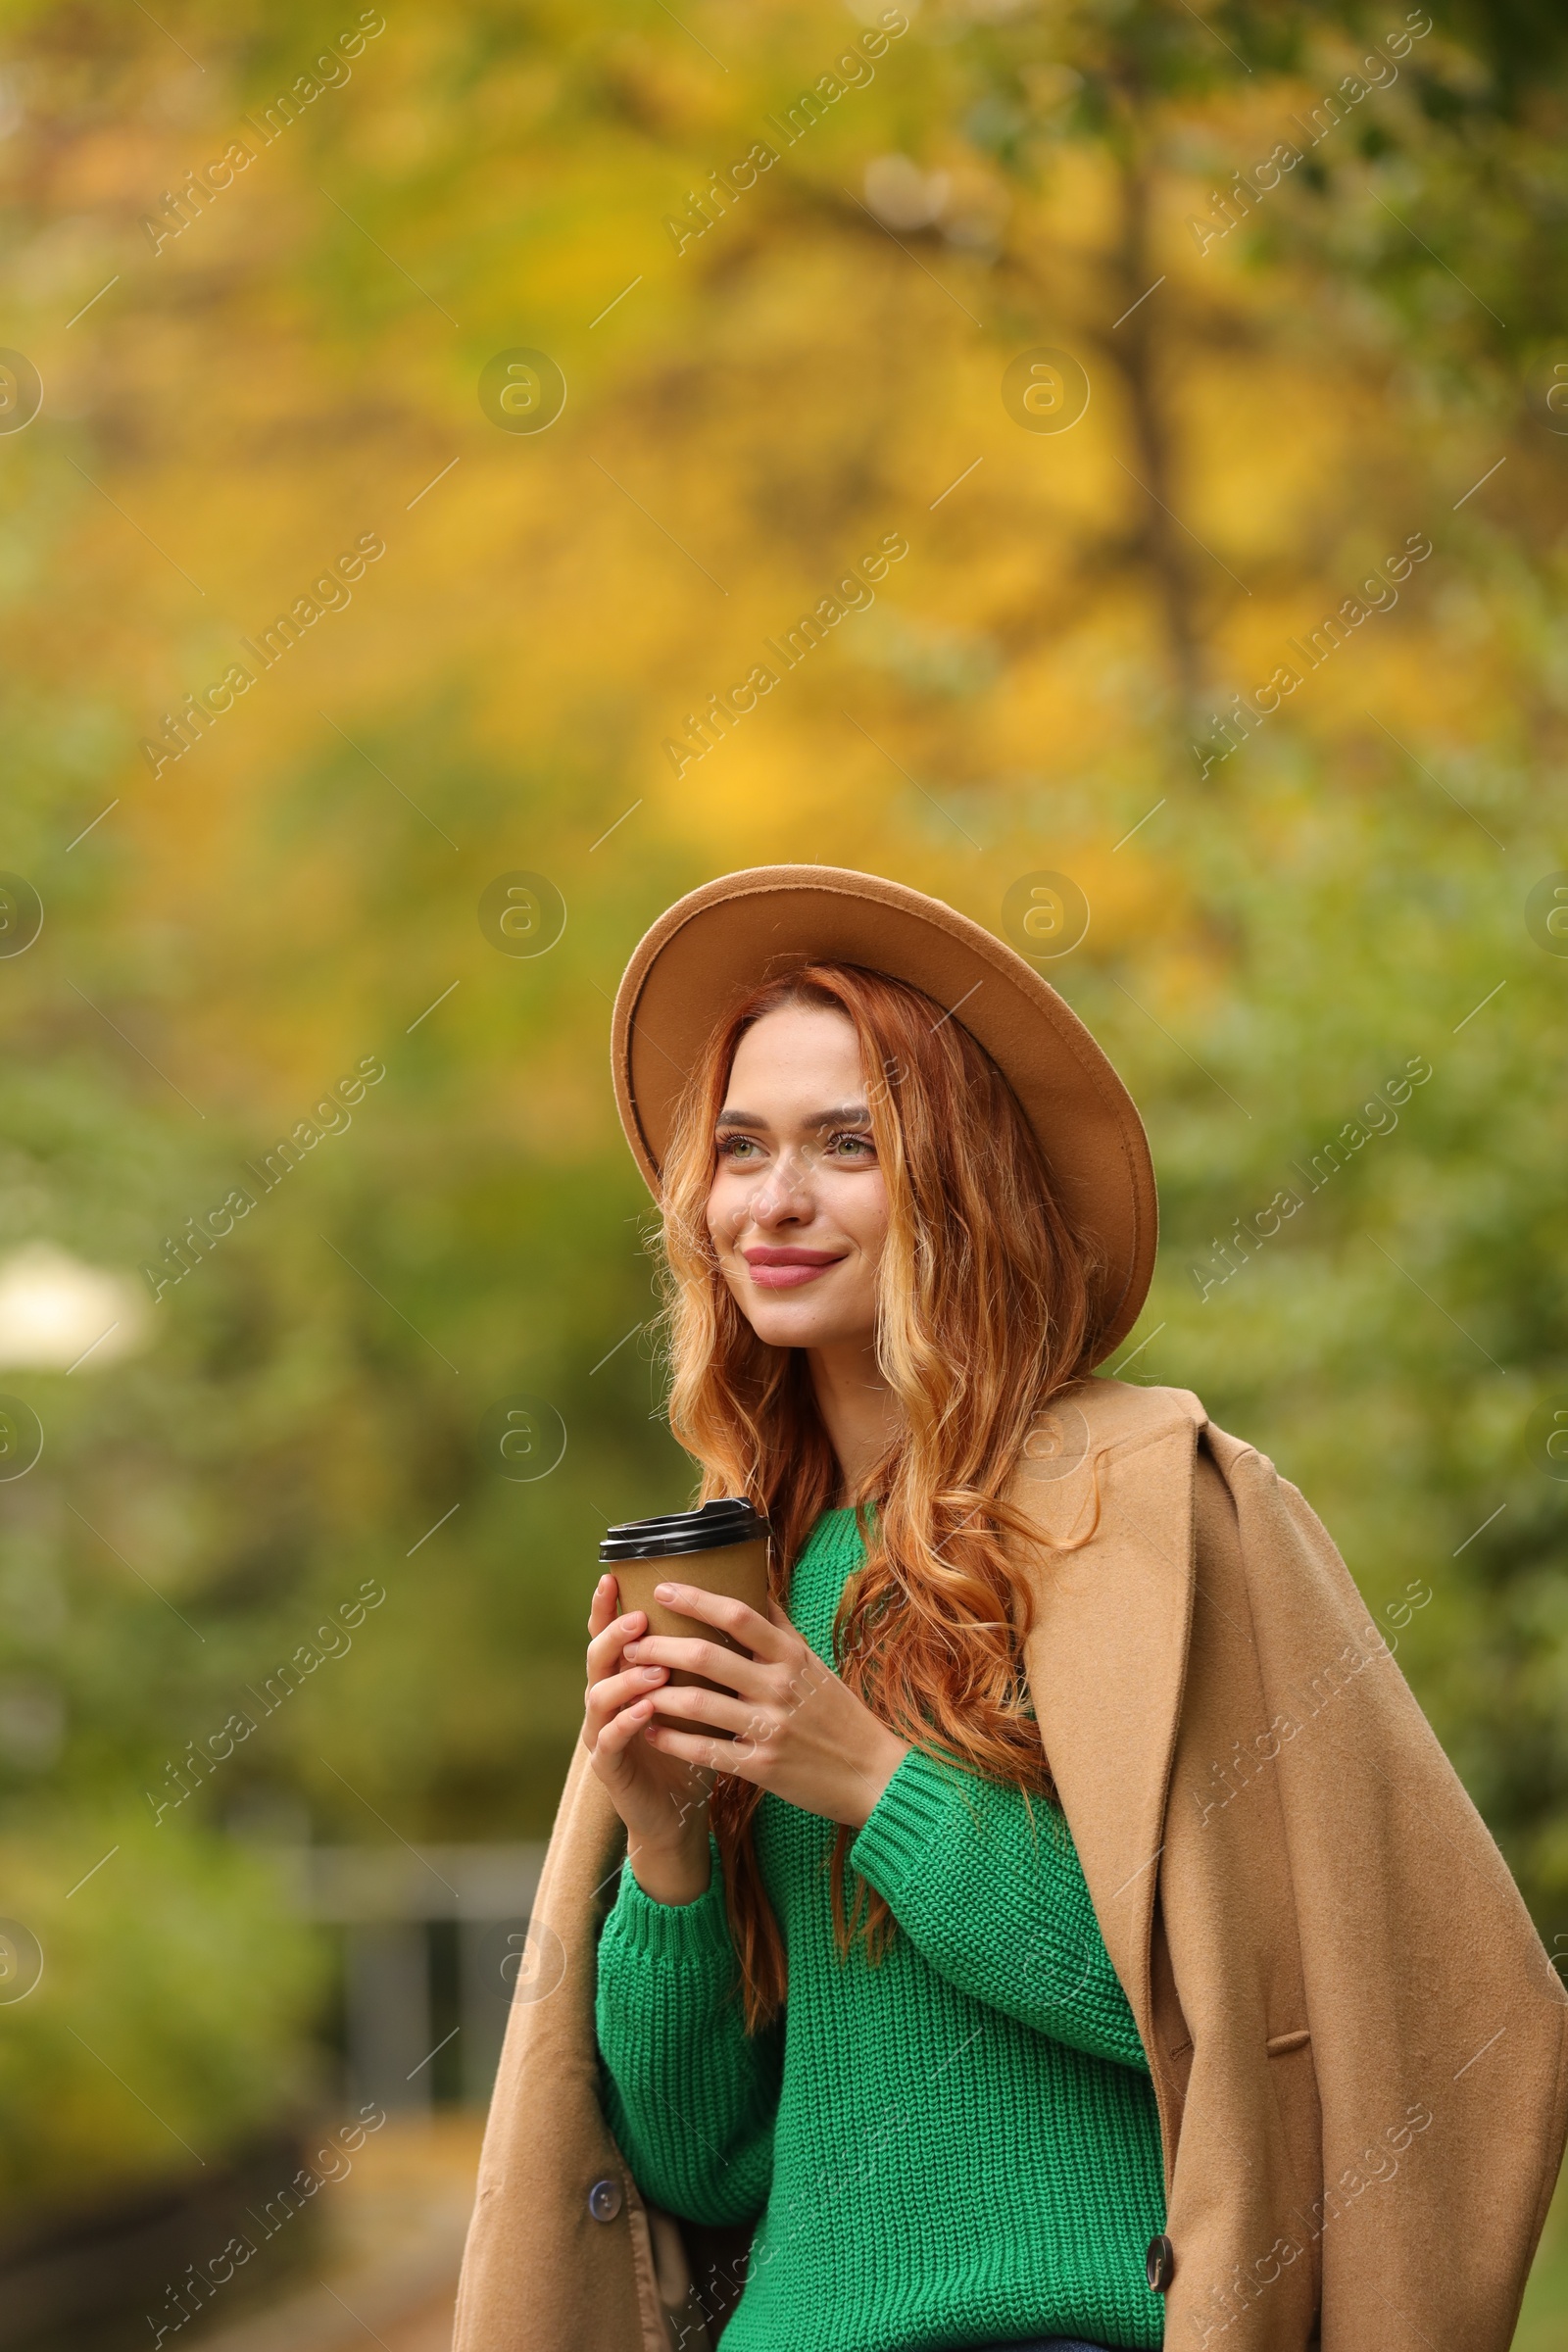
(663, 1799)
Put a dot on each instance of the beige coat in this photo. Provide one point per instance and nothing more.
(1358, 2045)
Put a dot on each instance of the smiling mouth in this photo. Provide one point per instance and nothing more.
(787, 1269)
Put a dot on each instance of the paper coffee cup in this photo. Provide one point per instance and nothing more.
(722, 1548)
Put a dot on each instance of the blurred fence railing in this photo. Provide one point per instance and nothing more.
(432, 1943)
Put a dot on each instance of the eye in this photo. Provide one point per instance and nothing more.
(736, 1146)
(851, 1145)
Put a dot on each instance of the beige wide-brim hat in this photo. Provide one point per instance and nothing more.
(716, 945)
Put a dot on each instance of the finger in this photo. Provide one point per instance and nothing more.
(614, 1737)
(605, 1604)
(754, 1725)
(606, 1647)
(706, 1754)
(727, 1666)
(753, 1632)
(606, 1699)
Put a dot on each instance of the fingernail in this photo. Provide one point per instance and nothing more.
(663, 1592)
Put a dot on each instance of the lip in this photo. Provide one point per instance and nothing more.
(788, 1269)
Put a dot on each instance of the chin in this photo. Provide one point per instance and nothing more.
(780, 1321)
(786, 1330)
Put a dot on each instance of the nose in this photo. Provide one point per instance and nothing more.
(785, 1192)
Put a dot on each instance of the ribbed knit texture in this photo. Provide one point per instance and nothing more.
(959, 2145)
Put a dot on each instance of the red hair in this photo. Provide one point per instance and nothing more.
(983, 1314)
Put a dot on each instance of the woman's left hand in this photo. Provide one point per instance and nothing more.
(800, 1732)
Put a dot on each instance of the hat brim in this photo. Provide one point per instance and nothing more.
(716, 945)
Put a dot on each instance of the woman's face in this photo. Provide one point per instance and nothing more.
(797, 1209)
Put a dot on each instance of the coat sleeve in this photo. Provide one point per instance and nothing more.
(690, 2097)
(1438, 2028)
(989, 1888)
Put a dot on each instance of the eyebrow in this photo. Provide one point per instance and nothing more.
(846, 1115)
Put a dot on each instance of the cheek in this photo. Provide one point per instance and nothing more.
(859, 1208)
(725, 1208)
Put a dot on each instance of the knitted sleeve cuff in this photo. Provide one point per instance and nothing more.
(673, 1931)
(907, 1822)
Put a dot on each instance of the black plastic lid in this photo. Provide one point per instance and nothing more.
(717, 1524)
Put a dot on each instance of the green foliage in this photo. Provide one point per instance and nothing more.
(171, 2015)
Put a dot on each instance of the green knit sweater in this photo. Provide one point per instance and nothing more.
(958, 2145)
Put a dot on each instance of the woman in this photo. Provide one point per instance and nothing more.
(1060, 1926)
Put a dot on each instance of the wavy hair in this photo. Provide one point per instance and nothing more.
(983, 1313)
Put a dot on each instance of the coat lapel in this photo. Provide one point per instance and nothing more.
(1109, 1474)
(539, 2269)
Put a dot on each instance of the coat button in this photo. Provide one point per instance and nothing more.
(1161, 2264)
(604, 2200)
